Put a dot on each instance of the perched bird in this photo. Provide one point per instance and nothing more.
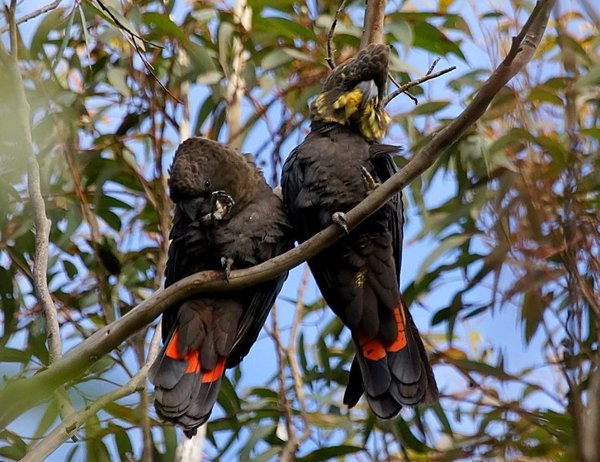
(338, 164)
(226, 217)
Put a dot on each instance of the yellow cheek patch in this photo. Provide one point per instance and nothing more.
(350, 102)
(349, 108)
(374, 122)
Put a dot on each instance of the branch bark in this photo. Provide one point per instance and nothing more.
(26, 393)
(373, 23)
(236, 86)
(330, 49)
(34, 14)
(41, 221)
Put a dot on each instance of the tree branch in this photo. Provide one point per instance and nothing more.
(293, 357)
(414, 83)
(373, 24)
(41, 221)
(330, 50)
(236, 85)
(34, 14)
(590, 420)
(132, 36)
(288, 451)
(26, 393)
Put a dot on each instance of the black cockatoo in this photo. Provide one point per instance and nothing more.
(226, 217)
(335, 168)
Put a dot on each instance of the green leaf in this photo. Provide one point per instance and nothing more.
(88, 42)
(49, 417)
(329, 453)
(161, 26)
(407, 438)
(113, 16)
(430, 38)
(13, 355)
(226, 31)
(50, 22)
(282, 27)
(545, 95)
(257, 435)
(122, 441)
(117, 77)
(63, 45)
(447, 244)
(403, 33)
(275, 59)
(201, 58)
(532, 311)
(430, 107)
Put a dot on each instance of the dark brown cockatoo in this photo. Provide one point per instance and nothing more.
(226, 217)
(336, 166)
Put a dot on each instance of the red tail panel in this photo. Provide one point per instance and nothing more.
(172, 351)
(193, 361)
(216, 373)
(371, 348)
(400, 341)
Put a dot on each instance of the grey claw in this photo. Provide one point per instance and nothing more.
(223, 203)
(371, 184)
(226, 263)
(339, 218)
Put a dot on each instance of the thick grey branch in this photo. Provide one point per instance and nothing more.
(373, 23)
(24, 394)
(42, 223)
(590, 420)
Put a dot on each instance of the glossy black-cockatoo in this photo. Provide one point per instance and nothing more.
(226, 217)
(337, 165)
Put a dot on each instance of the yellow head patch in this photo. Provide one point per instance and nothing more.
(374, 122)
(349, 108)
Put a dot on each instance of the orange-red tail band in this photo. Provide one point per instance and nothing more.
(193, 361)
(400, 341)
(374, 349)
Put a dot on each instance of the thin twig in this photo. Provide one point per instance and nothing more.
(330, 51)
(289, 449)
(288, 453)
(413, 83)
(34, 14)
(21, 395)
(293, 356)
(433, 64)
(133, 36)
(122, 26)
(104, 298)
